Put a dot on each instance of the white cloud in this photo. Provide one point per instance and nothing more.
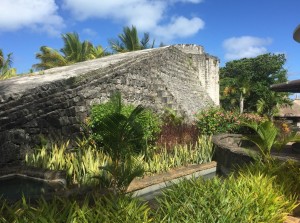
(146, 15)
(40, 15)
(179, 27)
(245, 47)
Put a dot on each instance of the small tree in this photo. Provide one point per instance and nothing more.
(121, 138)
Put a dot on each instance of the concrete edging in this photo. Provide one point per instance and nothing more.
(149, 187)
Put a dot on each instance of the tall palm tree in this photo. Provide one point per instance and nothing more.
(6, 71)
(129, 41)
(238, 89)
(73, 51)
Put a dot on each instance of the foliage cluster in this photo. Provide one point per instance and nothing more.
(216, 120)
(73, 51)
(82, 163)
(245, 83)
(267, 136)
(259, 192)
(175, 131)
(6, 71)
(149, 121)
(285, 174)
(129, 41)
(162, 159)
(247, 197)
(122, 209)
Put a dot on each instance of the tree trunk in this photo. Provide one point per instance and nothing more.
(241, 104)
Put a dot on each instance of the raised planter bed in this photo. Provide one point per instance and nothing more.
(150, 186)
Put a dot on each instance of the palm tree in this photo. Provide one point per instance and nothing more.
(73, 51)
(271, 103)
(49, 58)
(238, 89)
(6, 71)
(129, 41)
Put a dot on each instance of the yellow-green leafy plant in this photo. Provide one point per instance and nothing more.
(91, 209)
(285, 173)
(162, 159)
(243, 198)
(81, 163)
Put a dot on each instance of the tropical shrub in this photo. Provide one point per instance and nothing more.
(215, 120)
(121, 137)
(149, 121)
(245, 198)
(285, 174)
(267, 137)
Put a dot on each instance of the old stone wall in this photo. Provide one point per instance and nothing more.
(55, 102)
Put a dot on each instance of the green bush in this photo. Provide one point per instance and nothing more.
(216, 120)
(245, 198)
(150, 122)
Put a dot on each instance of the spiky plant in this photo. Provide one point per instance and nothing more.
(267, 137)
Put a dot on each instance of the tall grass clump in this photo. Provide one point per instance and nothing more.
(243, 198)
(122, 209)
(286, 174)
(163, 159)
(81, 163)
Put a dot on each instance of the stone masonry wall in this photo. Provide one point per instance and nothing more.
(55, 102)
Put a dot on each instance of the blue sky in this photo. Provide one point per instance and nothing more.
(228, 29)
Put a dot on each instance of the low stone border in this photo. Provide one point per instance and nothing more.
(150, 186)
(231, 151)
(49, 176)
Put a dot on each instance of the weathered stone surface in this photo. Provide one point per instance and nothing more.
(232, 151)
(54, 103)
